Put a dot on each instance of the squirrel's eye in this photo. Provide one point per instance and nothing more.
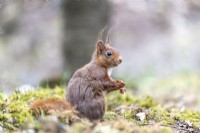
(108, 53)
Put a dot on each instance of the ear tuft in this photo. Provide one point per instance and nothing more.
(100, 47)
(99, 38)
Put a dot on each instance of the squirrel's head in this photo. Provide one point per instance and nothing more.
(107, 56)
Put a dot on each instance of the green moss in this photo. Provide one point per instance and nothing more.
(116, 99)
(188, 116)
(14, 109)
(13, 113)
(111, 115)
(40, 93)
(160, 115)
(119, 117)
(147, 102)
(154, 112)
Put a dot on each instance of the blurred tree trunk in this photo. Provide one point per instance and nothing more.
(82, 22)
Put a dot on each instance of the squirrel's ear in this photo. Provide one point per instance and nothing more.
(100, 47)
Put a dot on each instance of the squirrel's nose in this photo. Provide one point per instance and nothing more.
(120, 59)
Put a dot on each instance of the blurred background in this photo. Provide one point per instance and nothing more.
(46, 41)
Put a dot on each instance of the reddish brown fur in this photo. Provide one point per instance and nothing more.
(88, 84)
(47, 105)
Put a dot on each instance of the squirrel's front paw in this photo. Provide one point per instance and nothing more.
(122, 90)
(120, 83)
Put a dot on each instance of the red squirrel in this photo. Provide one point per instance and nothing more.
(88, 85)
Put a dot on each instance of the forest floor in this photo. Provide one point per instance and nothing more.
(152, 106)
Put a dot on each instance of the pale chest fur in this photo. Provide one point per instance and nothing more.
(110, 71)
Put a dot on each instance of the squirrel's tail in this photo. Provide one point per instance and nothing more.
(49, 106)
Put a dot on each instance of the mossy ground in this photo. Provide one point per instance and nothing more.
(162, 115)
